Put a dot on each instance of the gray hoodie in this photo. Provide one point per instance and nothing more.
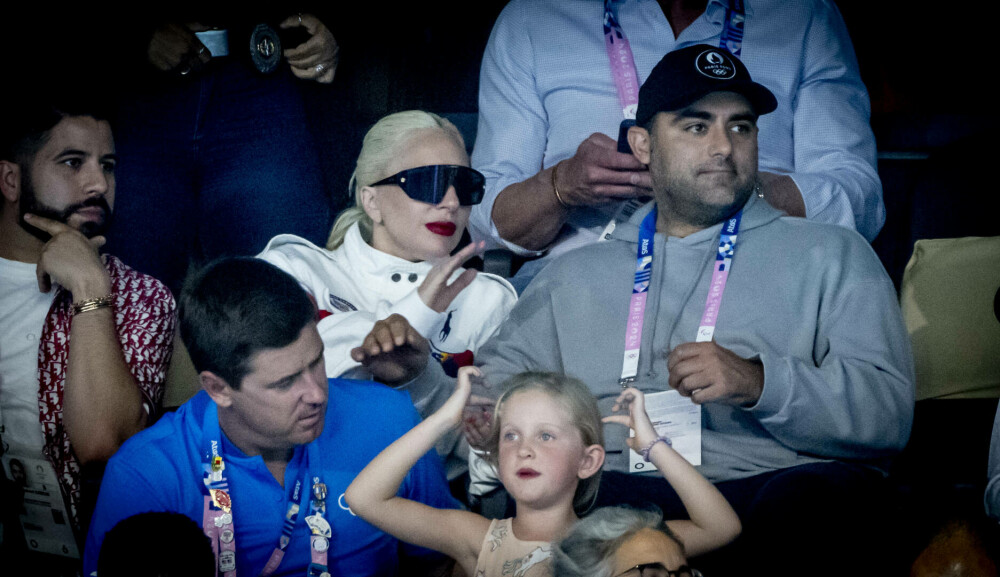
(811, 301)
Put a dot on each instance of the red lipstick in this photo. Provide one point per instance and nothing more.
(442, 228)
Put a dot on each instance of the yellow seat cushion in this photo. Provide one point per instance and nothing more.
(947, 297)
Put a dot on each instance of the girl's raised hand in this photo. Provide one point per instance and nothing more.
(453, 409)
(637, 419)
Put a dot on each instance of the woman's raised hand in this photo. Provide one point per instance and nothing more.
(435, 290)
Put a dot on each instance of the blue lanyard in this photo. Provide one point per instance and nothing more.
(218, 523)
(732, 29)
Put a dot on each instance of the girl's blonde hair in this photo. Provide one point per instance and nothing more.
(581, 405)
(383, 142)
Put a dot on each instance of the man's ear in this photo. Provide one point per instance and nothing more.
(638, 139)
(593, 460)
(370, 204)
(10, 180)
(217, 388)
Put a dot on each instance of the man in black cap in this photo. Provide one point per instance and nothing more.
(782, 336)
(555, 92)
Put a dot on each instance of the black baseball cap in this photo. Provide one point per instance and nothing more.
(683, 76)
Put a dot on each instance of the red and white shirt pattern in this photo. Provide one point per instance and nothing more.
(145, 316)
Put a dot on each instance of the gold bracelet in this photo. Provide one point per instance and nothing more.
(556, 188)
(92, 304)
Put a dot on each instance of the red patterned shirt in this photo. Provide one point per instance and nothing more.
(145, 316)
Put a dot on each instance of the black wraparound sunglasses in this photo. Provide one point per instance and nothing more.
(431, 183)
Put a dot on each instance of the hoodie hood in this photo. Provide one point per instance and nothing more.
(756, 212)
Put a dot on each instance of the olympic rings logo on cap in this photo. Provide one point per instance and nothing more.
(714, 64)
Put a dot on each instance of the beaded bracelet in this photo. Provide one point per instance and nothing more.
(645, 451)
(92, 304)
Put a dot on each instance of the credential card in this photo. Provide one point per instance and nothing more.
(676, 418)
(43, 515)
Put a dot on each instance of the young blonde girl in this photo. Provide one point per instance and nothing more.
(547, 444)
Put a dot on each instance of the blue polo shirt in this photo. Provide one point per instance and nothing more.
(159, 469)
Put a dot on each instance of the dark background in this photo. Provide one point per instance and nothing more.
(927, 66)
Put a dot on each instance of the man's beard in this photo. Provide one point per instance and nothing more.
(690, 206)
(30, 204)
(711, 215)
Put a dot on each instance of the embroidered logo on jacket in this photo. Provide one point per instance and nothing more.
(446, 329)
(341, 305)
(451, 362)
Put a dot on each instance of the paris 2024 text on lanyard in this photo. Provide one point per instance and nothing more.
(673, 416)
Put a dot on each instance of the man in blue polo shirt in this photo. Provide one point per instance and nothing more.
(259, 458)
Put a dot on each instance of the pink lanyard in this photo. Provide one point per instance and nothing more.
(626, 78)
(622, 61)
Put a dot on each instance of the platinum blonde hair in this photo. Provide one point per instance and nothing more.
(582, 408)
(590, 547)
(383, 142)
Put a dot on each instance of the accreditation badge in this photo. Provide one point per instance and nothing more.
(44, 516)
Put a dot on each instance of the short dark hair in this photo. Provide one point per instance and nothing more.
(185, 551)
(30, 125)
(236, 307)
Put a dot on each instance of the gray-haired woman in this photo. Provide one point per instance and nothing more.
(621, 542)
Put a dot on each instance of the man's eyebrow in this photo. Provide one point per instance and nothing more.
(283, 380)
(295, 375)
(76, 152)
(72, 152)
(745, 117)
(700, 114)
(692, 112)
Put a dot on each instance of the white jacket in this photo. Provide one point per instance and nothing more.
(356, 285)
